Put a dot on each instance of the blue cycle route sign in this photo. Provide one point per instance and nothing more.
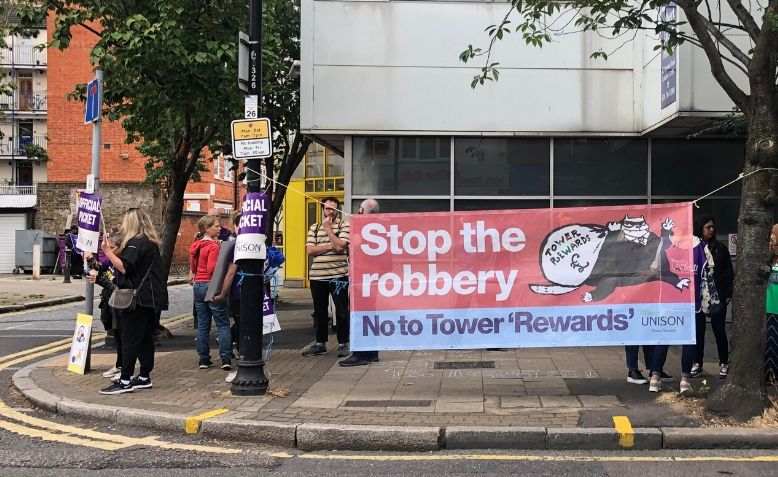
(92, 112)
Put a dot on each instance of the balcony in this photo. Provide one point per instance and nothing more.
(6, 189)
(21, 103)
(18, 147)
(24, 56)
(18, 196)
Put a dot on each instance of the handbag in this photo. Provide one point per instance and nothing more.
(125, 298)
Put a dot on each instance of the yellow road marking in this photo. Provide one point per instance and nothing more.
(626, 433)
(56, 432)
(64, 438)
(192, 423)
(38, 348)
(533, 458)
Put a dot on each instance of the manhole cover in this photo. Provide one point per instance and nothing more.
(464, 364)
(389, 403)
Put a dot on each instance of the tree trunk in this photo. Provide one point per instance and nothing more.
(290, 164)
(174, 207)
(743, 395)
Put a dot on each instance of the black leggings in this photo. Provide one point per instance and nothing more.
(718, 323)
(137, 328)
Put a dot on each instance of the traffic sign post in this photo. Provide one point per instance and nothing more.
(251, 107)
(252, 139)
(93, 96)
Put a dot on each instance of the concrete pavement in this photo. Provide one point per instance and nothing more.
(557, 398)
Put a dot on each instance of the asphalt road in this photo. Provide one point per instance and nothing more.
(21, 455)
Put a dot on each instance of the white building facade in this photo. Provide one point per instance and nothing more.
(382, 82)
(23, 121)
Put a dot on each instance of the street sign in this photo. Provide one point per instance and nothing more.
(243, 61)
(251, 107)
(251, 139)
(92, 112)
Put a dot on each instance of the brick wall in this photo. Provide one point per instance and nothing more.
(57, 200)
(69, 139)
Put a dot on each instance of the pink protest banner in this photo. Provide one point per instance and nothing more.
(591, 276)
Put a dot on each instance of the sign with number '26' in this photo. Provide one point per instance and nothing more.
(590, 276)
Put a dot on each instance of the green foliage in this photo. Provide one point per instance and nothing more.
(36, 152)
(539, 20)
(171, 71)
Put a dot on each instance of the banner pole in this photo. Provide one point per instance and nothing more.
(89, 294)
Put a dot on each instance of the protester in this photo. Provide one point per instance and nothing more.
(362, 358)
(771, 306)
(328, 243)
(137, 263)
(224, 232)
(102, 273)
(713, 287)
(203, 256)
(226, 289)
(654, 356)
(76, 258)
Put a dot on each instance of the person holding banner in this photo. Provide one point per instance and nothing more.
(203, 256)
(328, 245)
(363, 358)
(137, 263)
(714, 280)
(771, 307)
(76, 259)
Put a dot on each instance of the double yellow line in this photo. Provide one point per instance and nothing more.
(22, 424)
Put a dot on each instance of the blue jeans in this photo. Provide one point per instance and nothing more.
(206, 311)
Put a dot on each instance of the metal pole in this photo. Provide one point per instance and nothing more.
(96, 143)
(251, 379)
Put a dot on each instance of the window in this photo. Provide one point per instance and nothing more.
(334, 164)
(600, 167)
(314, 161)
(501, 166)
(217, 166)
(401, 165)
(497, 204)
(406, 205)
(229, 172)
(693, 168)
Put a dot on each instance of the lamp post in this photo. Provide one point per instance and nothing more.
(251, 379)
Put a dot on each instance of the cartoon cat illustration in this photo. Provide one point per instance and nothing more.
(623, 253)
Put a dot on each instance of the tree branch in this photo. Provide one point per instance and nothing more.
(729, 45)
(745, 17)
(697, 22)
(88, 28)
(766, 43)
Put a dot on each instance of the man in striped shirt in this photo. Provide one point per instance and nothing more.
(328, 245)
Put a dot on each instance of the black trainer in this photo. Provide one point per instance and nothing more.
(117, 388)
(205, 364)
(635, 377)
(140, 383)
(353, 360)
(226, 364)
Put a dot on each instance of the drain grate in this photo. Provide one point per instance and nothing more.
(389, 403)
(464, 364)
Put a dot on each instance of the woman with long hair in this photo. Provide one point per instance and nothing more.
(714, 280)
(137, 262)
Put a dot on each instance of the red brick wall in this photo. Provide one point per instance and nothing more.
(70, 140)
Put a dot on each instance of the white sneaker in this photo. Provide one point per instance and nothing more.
(655, 384)
(112, 372)
(723, 370)
(686, 388)
(230, 377)
(696, 370)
